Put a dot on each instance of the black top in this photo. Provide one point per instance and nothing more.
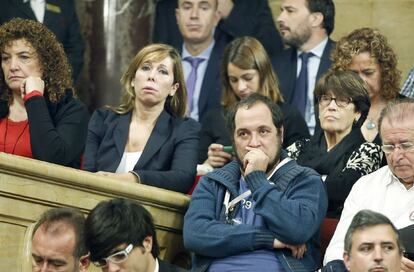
(57, 130)
(214, 130)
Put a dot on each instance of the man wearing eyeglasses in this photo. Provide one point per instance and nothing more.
(58, 243)
(390, 189)
(120, 235)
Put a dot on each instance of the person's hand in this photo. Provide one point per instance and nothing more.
(224, 8)
(407, 265)
(31, 84)
(255, 160)
(126, 177)
(216, 156)
(297, 250)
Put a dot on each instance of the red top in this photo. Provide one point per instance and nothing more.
(15, 138)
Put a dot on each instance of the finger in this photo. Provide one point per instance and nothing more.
(215, 146)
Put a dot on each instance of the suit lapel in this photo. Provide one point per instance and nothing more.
(159, 135)
(121, 132)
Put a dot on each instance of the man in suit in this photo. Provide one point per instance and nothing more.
(58, 242)
(201, 54)
(237, 18)
(305, 25)
(59, 16)
(120, 235)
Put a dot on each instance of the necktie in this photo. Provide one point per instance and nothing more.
(301, 88)
(192, 79)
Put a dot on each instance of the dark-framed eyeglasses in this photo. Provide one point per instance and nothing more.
(117, 257)
(405, 147)
(324, 100)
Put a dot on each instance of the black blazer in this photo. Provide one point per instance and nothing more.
(285, 66)
(60, 18)
(248, 18)
(169, 159)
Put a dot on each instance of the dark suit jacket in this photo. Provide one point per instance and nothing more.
(210, 92)
(248, 18)
(60, 18)
(168, 161)
(285, 65)
(167, 267)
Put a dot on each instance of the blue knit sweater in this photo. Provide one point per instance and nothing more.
(293, 209)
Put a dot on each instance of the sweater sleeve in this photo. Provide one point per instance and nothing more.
(295, 215)
(207, 235)
(59, 139)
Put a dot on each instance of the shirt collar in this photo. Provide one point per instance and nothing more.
(204, 55)
(394, 180)
(317, 50)
(157, 266)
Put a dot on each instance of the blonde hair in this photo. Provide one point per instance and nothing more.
(175, 105)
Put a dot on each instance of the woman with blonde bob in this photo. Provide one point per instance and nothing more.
(245, 69)
(147, 139)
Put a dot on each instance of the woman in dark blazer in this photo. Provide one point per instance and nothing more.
(147, 139)
(245, 69)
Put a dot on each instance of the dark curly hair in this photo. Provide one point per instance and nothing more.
(373, 42)
(55, 65)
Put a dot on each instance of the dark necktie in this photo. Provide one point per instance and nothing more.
(301, 88)
(192, 79)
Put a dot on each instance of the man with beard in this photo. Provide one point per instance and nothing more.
(305, 25)
(372, 243)
(261, 212)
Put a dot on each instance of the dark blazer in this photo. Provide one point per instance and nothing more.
(57, 130)
(285, 65)
(210, 92)
(248, 18)
(167, 267)
(60, 18)
(168, 161)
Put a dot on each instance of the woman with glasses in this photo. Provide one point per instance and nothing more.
(245, 69)
(367, 52)
(339, 151)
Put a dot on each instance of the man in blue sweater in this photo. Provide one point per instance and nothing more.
(262, 211)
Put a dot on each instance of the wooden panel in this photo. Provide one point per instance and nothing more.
(29, 187)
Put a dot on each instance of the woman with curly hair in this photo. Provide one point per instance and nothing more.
(147, 139)
(39, 116)
(367, 52)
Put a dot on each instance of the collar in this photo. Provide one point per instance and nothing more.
(317, 50)
(394, 180)
(204, 55)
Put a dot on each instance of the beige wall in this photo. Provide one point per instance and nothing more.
(394, 18)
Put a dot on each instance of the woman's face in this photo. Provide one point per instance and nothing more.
(369, 70)
(18, 61)
(154, 81)
(337, 119)
(243, 82)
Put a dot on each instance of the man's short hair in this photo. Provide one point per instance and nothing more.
(115, 222)
(250, 101)
(396, 112)
(365, 219)
(69, 216)
(327, 8)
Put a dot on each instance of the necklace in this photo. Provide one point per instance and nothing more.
(18, 137)
(370, 124)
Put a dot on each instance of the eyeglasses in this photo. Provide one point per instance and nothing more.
(342, 102)
(117, 257)
(405, 147)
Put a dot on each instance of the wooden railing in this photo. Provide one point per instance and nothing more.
(30, 187)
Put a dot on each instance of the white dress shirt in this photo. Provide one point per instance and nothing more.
(381, 192)
(38, 7)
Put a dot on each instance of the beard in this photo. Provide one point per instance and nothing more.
(296, 40)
